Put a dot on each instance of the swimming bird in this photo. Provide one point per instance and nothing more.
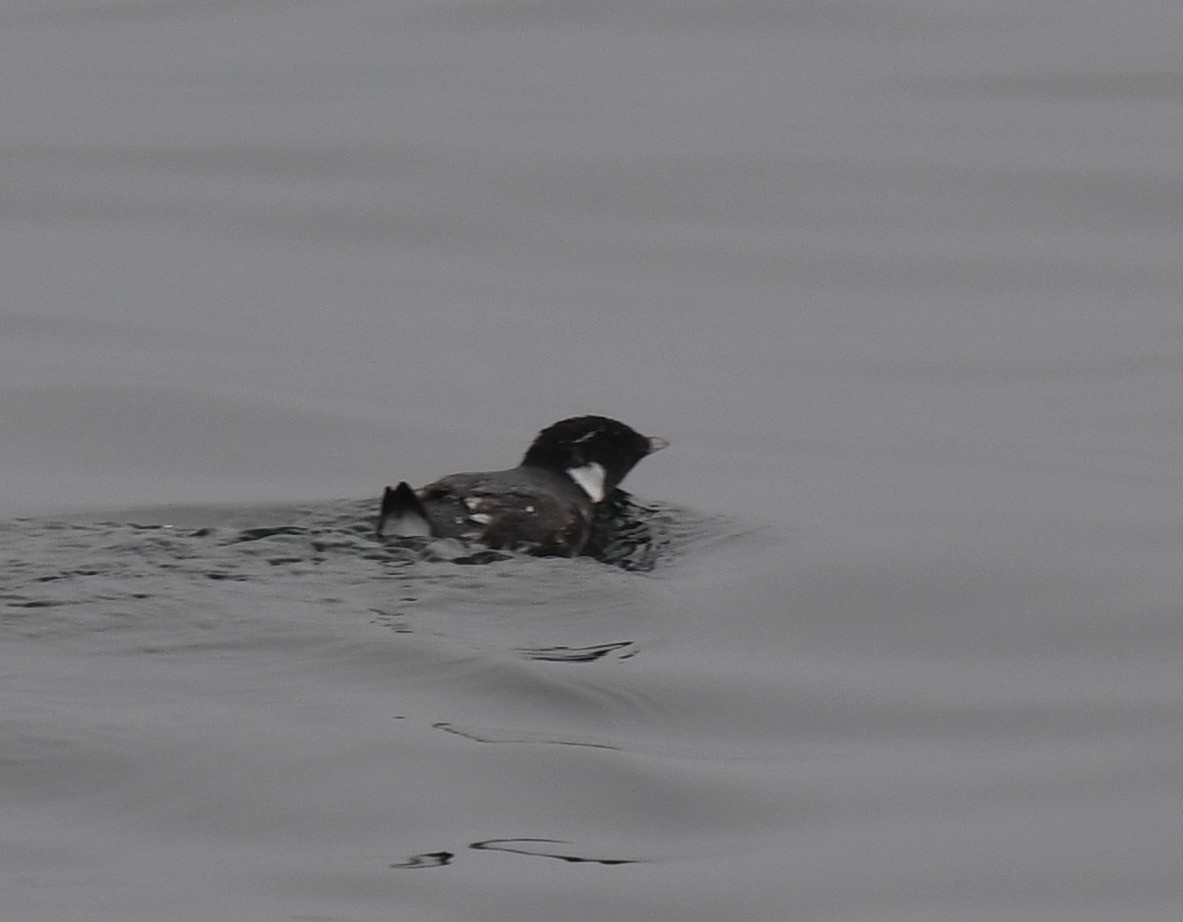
(544, 506)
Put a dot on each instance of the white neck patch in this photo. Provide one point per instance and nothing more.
(590, 478)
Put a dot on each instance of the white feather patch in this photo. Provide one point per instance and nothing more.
(407, 525)
(590, 478)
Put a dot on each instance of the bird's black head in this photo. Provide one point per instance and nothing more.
(594, 451)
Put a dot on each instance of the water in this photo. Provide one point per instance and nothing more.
(900, 283)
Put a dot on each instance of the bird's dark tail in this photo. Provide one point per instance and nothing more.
(402, 515)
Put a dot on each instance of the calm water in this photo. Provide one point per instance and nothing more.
(900, 281)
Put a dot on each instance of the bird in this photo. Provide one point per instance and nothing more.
(545, 506)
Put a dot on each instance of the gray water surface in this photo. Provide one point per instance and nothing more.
(899, 281)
